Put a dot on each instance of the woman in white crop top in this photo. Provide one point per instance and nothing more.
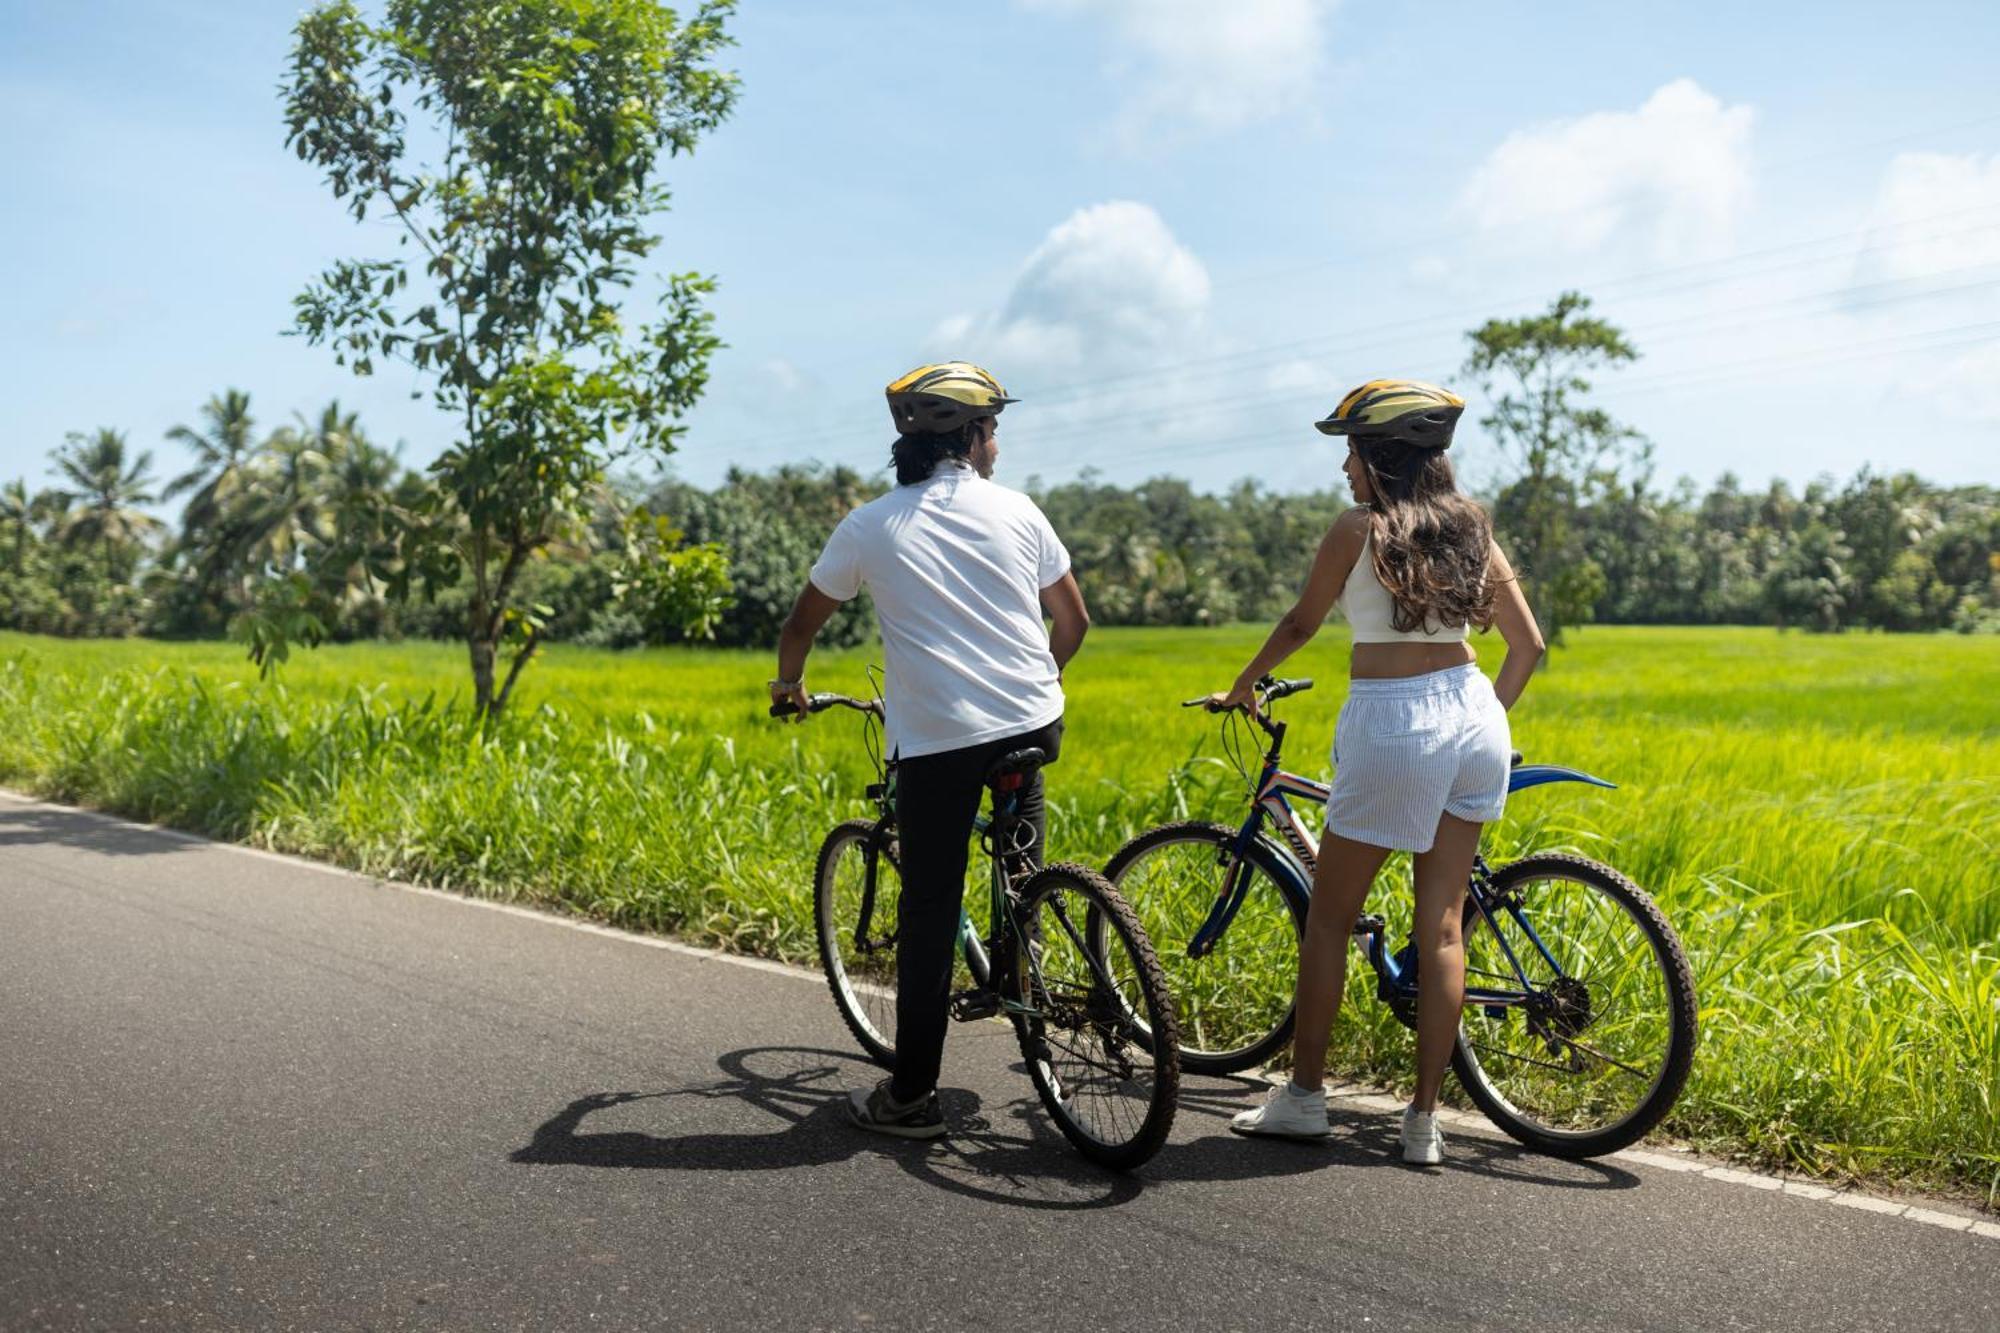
(1422, 748)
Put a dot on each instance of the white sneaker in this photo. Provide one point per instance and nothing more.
(1422, 1143)
(1288, 1113)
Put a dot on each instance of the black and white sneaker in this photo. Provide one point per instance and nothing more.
(878, 1110)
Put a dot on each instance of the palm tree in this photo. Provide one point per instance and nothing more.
(17, 509)
(285, 515)
(111, 489)
(222, 451)
(357, 489)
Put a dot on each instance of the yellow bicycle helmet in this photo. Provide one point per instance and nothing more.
(933, 399)
(1401, 409)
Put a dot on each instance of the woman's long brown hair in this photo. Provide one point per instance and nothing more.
(1431, 541)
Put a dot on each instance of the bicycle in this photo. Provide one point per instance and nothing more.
(1561, 948)
(1095, 1021)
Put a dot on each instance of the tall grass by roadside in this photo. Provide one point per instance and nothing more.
(1817, 815)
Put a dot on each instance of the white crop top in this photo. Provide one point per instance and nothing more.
(1370, 611)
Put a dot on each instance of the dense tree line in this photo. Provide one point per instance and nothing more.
(88, 556)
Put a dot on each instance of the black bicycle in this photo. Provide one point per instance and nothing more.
(1579, 1021)
(1061, 955)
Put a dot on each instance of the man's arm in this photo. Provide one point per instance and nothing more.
(1063, 600)
(812, 610)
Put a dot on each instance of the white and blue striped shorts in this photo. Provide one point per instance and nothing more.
(1407, 749)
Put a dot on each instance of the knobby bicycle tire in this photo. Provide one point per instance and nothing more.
(870, 1017)
(1678, 980)
(1107, 1020)
(1279, 973)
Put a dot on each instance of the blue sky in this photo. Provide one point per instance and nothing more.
(1177, 229)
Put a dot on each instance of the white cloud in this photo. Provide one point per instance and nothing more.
(1109, 289)
(787, 378)
(1933, 213)
(1204, 66)
(1931, 227)
(1430, 270)
(1665, 181)
(1105, 334)
(1967, 387)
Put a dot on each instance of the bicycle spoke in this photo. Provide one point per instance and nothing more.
(1604, 1003)
(1088, 1002)
(1239, 993)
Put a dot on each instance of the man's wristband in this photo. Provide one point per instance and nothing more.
(789, 685)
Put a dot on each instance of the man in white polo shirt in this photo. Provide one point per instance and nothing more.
(961, 571)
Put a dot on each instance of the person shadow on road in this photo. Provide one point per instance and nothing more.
(1019, 1162)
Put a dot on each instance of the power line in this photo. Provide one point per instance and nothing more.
(1430, 325)
(1961, 336)
(1443, 239)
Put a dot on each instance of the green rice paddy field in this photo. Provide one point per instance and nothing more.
(1818, 816)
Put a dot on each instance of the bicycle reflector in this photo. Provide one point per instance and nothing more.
(1010, 782)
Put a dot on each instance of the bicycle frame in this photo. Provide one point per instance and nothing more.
(1000, 916)
(1297, 852)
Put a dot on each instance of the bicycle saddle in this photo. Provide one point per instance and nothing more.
(1009, 771)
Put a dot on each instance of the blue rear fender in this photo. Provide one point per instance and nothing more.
(1536, 775)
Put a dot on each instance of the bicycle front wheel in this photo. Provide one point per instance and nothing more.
(1597, 1046)
(1235, 1001)
(1091, 1009)
(857, 930)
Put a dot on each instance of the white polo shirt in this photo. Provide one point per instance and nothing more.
(956, 565)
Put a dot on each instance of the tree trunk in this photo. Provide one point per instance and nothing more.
(521, 657)
(483, 652)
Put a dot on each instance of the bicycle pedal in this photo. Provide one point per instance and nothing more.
(968, 1005)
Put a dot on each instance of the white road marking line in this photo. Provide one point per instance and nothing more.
(1729, 1175)
(1660, 1161)
(443, 895)
(1868, 1204)
(1350, 1093)
(1930, 1217)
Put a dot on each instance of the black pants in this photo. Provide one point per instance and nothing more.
(937, 798)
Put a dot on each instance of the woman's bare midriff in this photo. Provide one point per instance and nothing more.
(1388, 661)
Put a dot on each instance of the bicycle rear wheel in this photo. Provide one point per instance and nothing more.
(1093, 1007)
(1236, 1001)
(1600, 1050)
(859, 957)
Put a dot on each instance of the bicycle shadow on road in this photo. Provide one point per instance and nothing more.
(1364, 1138)
(806, 1089)
(1010, 1155)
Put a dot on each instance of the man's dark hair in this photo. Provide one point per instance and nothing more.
(917, 456)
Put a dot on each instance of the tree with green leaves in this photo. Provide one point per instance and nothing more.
(1533, 371)
(110, 487)
(217, 487)
(513, 146)
(222, 450)
(17, 510)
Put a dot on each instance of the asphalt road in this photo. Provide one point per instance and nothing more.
(241, 1092)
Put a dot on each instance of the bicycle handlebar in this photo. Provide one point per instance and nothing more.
(819, 703)
(1269, 689)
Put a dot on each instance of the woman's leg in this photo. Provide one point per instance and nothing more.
(1341, 882)
(1441, 877)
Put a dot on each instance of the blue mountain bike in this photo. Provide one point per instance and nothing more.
(1579, 1022)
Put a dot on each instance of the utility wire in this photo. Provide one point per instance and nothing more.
(1427, 326)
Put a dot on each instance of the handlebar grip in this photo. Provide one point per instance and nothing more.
(1280, 689)
(785, 708)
